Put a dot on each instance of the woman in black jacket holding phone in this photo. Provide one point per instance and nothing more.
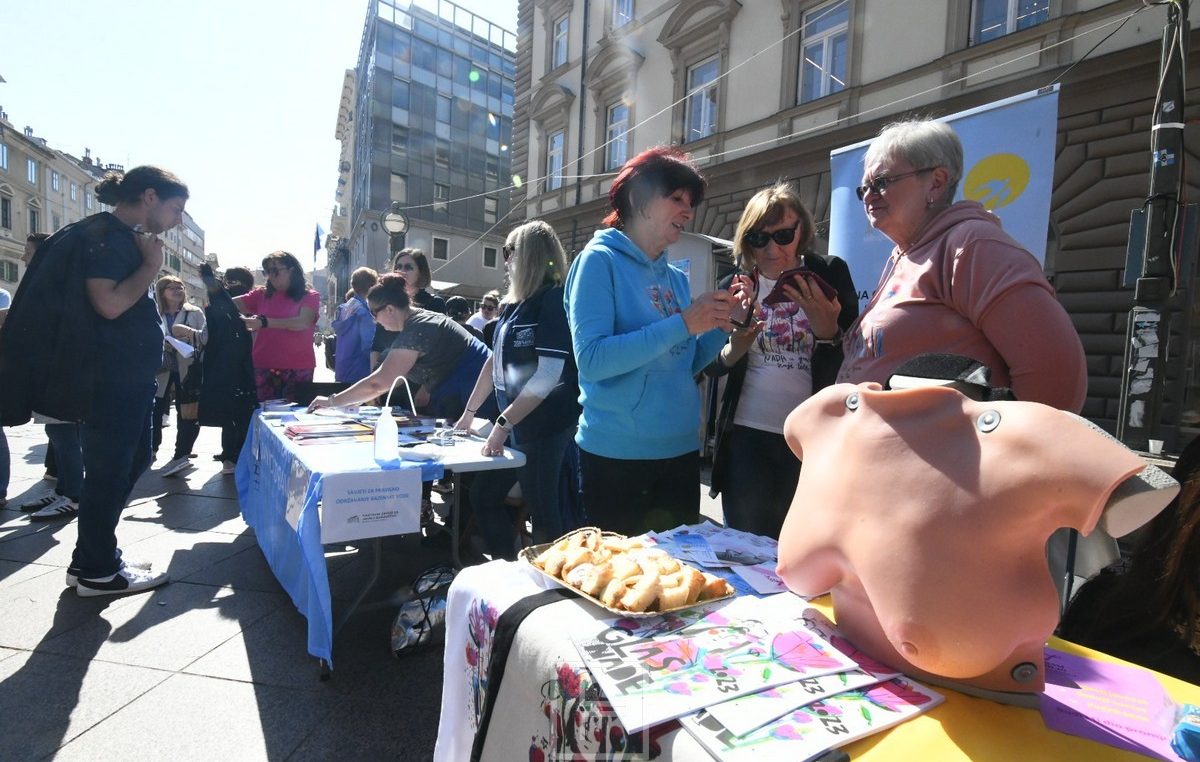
(788, 350)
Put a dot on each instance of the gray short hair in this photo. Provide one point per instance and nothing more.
(922, 143)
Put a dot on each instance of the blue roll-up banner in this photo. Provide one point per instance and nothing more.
(1008, 166)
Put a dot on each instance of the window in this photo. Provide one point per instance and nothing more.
(617, 150)
(74, 191)
(9, 271)
(399, 188)
(554, 160)
(823, 55)
(622, 13)
(31, 171)
(3, 157)
(443, 109)
(55, 221)
(441, 155)
(700, 118)
(55, 181)
(489, 210)
(34, 221)
(5, 212)
(489, 257)
(995, 18)
(87, 201)
(399, 140)
(441, 248)
(558, 56)
(441, 194)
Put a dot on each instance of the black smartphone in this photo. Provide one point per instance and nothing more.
(790, 278)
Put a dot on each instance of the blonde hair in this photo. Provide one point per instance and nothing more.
(161, 286)
(768, 207)
(539, 259)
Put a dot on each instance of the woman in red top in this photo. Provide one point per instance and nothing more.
(284, 315)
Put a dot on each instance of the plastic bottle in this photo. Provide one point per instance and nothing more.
(387, 440)
(387, 437)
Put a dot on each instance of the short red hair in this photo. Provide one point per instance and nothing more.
(653, 173)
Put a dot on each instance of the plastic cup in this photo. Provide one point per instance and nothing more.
(1155, 446)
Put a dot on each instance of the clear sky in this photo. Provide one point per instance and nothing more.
(237, 97)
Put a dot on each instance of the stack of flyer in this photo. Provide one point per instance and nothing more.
(750, 678)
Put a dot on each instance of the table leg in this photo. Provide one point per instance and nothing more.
(376, 546)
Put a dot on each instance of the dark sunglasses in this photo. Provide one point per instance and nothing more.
(275, 270)
(376, 310)
(880, 184)
(508, 250)
(758, 239)
(488, 307)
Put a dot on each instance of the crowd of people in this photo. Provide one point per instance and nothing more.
(589, 367)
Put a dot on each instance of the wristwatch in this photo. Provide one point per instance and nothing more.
(263, 319)
(503, 423)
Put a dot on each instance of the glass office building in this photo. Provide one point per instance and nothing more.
(433, 125)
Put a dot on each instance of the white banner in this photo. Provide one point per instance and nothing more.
(355, 506)
(1008, 166)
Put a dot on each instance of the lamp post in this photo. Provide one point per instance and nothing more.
(396, 225)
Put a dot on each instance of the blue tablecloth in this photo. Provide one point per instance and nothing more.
(277, 479)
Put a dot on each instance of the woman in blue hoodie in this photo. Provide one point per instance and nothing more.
(639, 341)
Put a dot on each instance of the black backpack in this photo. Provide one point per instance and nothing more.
(47, 345)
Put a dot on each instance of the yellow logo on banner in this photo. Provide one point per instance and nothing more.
(997, 180)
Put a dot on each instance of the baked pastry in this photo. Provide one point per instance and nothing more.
(627, 575)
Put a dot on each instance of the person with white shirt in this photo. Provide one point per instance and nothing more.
(787, 351)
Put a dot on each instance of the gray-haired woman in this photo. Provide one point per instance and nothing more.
(532, 373)
(956, 282)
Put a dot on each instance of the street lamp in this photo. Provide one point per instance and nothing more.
(396, 225)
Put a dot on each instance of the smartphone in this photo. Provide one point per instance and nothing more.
(790, 277)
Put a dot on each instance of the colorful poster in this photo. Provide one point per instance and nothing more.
(748, 713)
(1008, 166)
(729, 651)
(817, 727)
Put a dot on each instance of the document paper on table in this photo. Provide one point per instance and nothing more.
(701, 657)
(749, 713)
(813, 729)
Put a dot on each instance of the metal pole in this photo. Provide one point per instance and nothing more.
(1158, 228)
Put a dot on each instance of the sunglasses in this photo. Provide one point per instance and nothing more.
(758, 239)
(269, 271)
(376, 310)
(508, 250)
(880, 184)
(488, 307)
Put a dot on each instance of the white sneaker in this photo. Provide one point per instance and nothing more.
(62, 507)
(126, 580)
(228, 467)
(175, 466)
(126, 563)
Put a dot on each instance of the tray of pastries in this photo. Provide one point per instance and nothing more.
(626, 576)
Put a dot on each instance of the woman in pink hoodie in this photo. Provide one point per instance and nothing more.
(956, 282)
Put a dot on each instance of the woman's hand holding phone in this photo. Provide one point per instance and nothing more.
(742, 289)
(821, 310)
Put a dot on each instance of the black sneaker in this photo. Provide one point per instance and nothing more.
(127, 580)
(39, 504)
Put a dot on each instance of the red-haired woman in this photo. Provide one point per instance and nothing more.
(639, 341)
